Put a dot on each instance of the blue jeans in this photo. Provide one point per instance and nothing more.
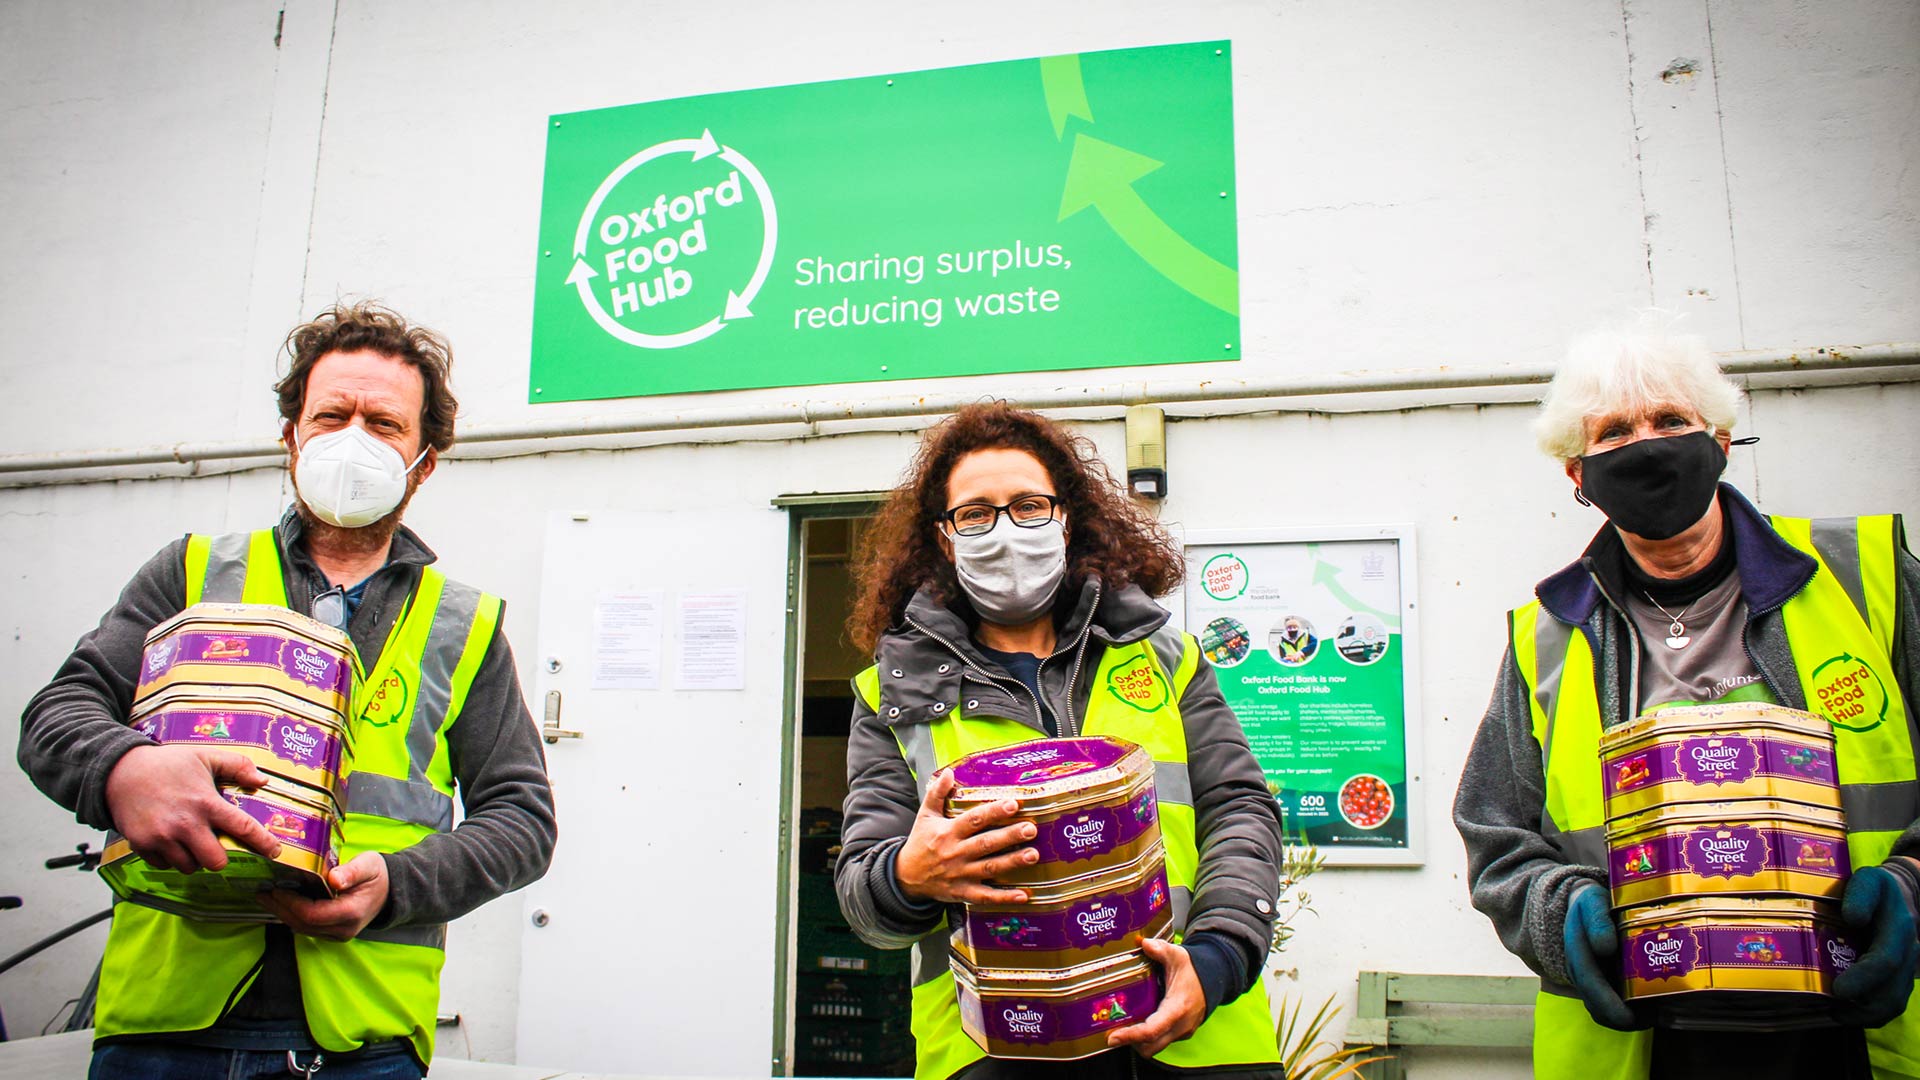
(179, 1061)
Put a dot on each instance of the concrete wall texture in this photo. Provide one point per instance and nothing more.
(1421, 186)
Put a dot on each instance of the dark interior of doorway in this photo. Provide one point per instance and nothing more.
(852, 1001)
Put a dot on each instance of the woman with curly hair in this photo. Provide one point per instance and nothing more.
(1006, 592)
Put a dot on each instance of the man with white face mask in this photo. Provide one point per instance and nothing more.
(366, 410)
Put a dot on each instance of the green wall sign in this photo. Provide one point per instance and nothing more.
(1066, 212)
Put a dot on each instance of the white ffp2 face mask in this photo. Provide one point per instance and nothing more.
(1011, 574)
(349, 478)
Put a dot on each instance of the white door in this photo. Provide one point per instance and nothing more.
(649, 946)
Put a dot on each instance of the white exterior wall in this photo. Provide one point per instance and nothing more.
(1420, 185)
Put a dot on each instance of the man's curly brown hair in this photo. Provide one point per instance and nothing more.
(351, 327)
(1109, 536)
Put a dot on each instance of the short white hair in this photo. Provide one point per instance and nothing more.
(1639, 367)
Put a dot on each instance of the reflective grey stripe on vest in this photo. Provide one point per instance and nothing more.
(433, 936)
(916, 745)
(226, 568)
(1182, 905)
(1838, 542)
(1169, 646)
(1581, 847)
(930, 955)
(1550, 640)
(415, 800)
(1171, 783)
(1888, 807)
(446, 642)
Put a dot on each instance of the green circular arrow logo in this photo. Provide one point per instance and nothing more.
(1849, 693)
(1137, 684)
(1224, 577)
(389, 701)
(663, 256)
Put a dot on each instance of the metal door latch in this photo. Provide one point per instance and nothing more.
(550, 728)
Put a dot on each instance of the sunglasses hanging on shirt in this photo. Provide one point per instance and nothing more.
(330, 607)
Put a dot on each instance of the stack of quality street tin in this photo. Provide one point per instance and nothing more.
(274, 687)
(1047, 978)
(1727, 855)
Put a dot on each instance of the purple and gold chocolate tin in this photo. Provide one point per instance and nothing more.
(1748, 750)
(249, 645)
(1773, 946)
(280, 733)
(1073, 921)
(326, 799)
(309, 837)
(1091, 798)
(1743, 847)
(1056, 1014)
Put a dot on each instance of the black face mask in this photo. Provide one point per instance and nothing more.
(1656, 488)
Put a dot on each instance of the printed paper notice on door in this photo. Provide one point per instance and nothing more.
(713, 641)
(626, 641)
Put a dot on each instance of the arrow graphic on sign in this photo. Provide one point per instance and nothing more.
(1101, 175)
(738, 303)
(1066, 94)
(1327, 574)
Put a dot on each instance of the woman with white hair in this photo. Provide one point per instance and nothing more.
(1688, 595)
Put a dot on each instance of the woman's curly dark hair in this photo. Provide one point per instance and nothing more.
(1108, 537)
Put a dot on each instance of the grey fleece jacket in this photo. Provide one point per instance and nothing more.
(74, 731)
(1519, 880)
(1236, 820)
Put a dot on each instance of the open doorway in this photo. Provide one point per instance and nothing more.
(849, 1002)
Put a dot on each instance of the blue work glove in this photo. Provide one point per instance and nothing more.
(1875, 988)
(1589, 936)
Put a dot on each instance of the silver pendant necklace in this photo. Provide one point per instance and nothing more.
(1677, 636)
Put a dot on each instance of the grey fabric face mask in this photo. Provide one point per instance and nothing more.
(1011, 574)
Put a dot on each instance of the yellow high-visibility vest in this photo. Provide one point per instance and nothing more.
(1840, 629)
(1238, 1033)
(163, 973)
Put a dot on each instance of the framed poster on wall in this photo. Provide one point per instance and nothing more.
(1312, 634)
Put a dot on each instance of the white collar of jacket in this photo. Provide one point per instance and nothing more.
(935, 635)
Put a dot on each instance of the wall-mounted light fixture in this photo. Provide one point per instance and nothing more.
(1147, 451)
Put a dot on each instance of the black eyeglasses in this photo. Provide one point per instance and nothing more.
(330, 607)
(979, 518)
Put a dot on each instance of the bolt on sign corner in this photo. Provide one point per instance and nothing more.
(1048, 214)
